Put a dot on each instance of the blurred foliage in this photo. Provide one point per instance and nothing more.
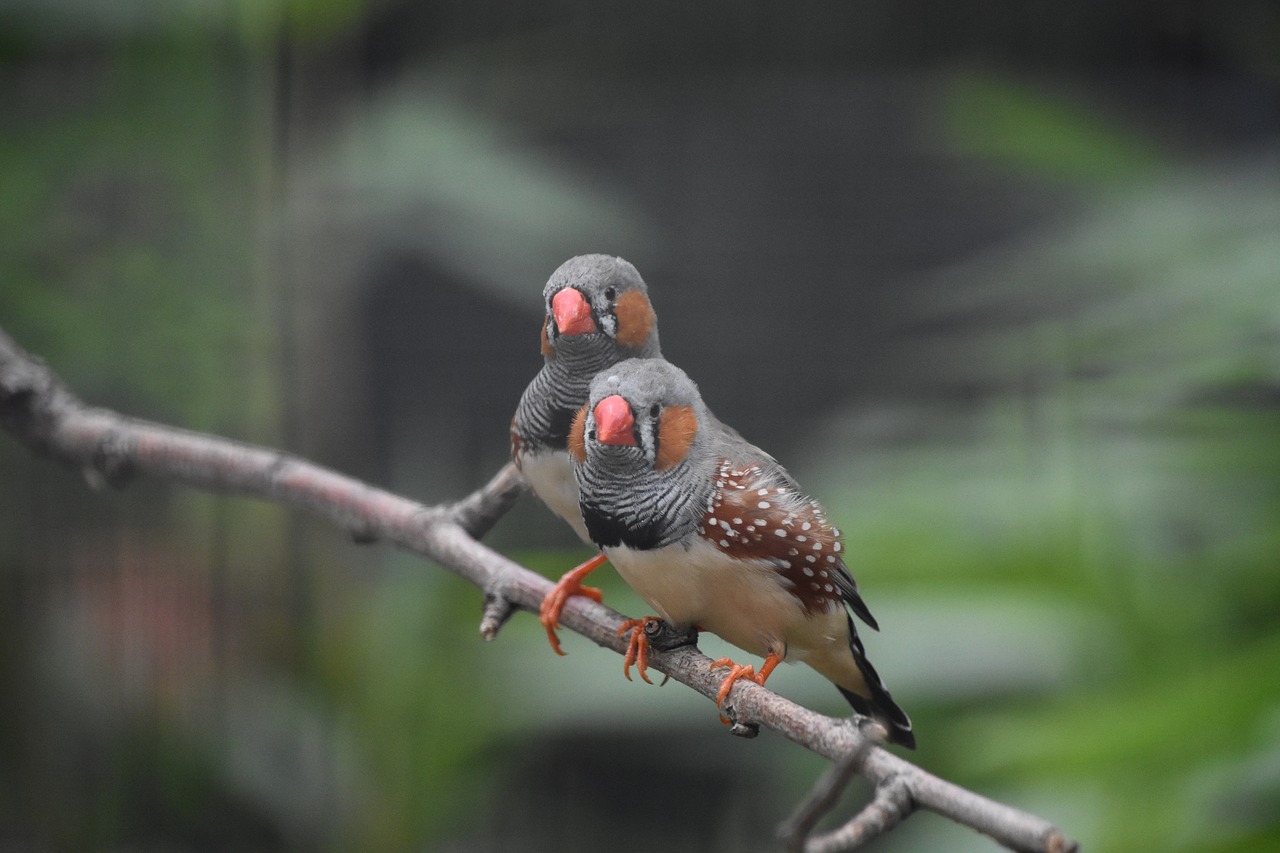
(394, 667)
(1114, 468)
(1070, 536)
(137, 196)
(257, 23)
(1020, 126)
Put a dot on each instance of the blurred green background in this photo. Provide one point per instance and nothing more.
(998, 281)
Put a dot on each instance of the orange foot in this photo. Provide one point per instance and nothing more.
(737, 671)
(638, 647)
(570, 584)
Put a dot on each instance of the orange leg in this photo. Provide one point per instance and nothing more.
(638, 648)
(568, 585)
(737, 671)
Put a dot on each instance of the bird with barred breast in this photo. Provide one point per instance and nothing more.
(598, 313)
(714, 534)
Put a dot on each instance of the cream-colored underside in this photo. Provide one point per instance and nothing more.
(550, 475)
(746, 602)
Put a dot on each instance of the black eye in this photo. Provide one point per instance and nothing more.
(610, 292)
(654, 411)
(591, 435)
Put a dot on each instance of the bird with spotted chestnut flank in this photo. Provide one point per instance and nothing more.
(713, 533)
(598, 313)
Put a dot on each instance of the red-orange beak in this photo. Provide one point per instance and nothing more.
(614, 423)
(572, 313)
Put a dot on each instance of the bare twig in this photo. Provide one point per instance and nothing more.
(497, 610)
(890, 806)
(108, 447)
(480, 510)
(794, 832)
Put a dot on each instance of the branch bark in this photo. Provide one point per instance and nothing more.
(40, 412)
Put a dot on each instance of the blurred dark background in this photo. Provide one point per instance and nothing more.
(998, 281)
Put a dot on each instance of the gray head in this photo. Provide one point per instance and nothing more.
(642, 412)
(643, 449)
(595, 302)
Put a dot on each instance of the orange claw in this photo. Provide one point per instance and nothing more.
(737, 671)
(568, 585)
(638, 647)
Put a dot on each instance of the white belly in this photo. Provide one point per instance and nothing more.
(550, 475)
(746, 602)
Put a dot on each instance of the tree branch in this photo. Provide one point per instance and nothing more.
(111, 448)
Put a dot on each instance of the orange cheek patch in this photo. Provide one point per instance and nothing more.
(635, 318)
(577, 443)
(676, 430)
